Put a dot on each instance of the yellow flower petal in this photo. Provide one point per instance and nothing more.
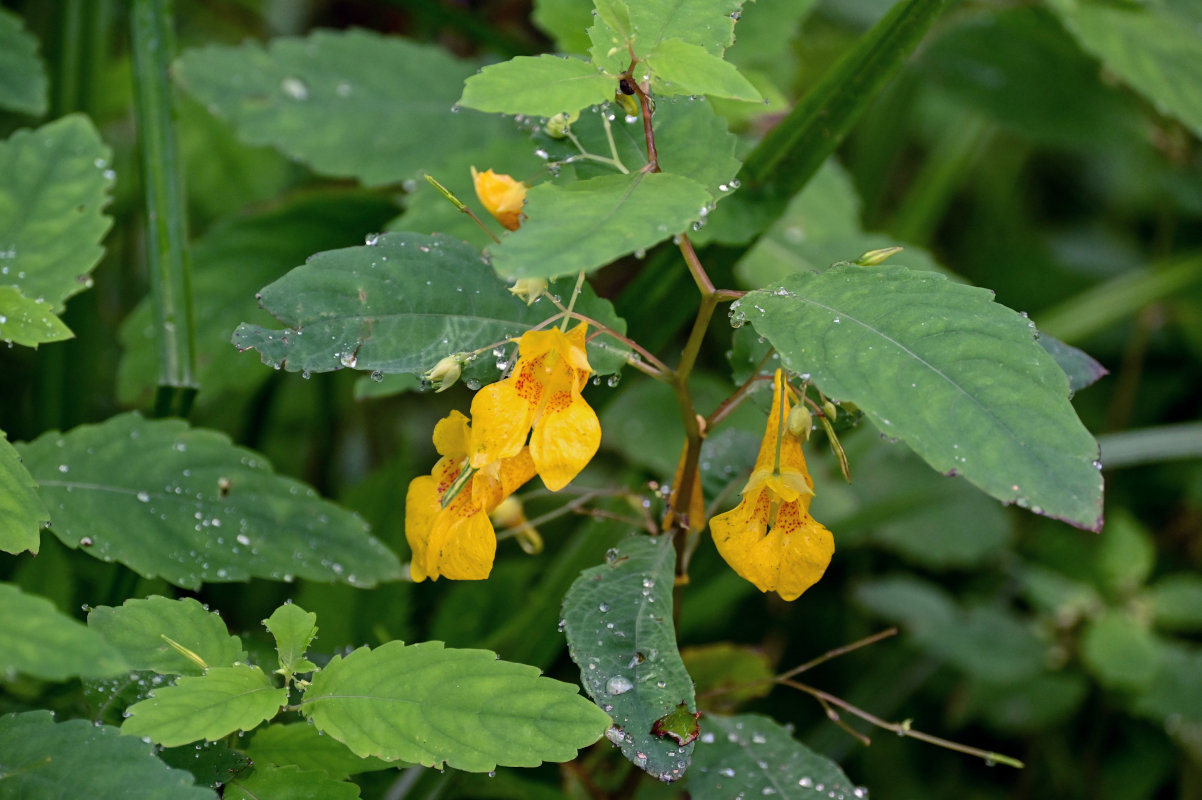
(421, 507)
(501, 195)
(502, 418)
(564, 440)
(462, 543)
(451, 435)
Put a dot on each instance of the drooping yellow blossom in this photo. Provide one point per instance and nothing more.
(543, 394)
(770, 538)
(501, 195)
(457, 541)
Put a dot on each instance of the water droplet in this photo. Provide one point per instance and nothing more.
(618, 684)
(143, 497)
(295, 88)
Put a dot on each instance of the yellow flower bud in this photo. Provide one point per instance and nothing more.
(446, 372)
(529, 289)
(874, 257)
(501, 195)
(800, 421)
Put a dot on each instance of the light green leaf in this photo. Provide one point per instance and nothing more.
(220, 702)
(942, 367)
(587, 224)
(230, 263)
(1177, 601)
(1125, 555)
(1150, 46)
(213, 764)
(400, 305)
(351, 103)
(186, 504)
(22, 75)
(22, 512)
(38, 640)
(618, 622)
(678, 67)
(45, 760)
(293, 629)
(1120, 651)
(750, 755)
(643, 24)
(303, 745)
(28, 322)
(53, 184)
(541, 86)
(137, 627)
(565, 21)
(429, 705)
(291, 782)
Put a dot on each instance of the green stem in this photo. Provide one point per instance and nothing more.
(153, 45)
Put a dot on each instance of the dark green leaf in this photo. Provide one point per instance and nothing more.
(1120, 651)
(1173, 695)
(346, 103)
(291, 782)
(400, 305)
(213, 764)
(750, 755)
(22, 512)
(1125, 554)
(28, 322)
(464, 708)
(303, 745)
(586, 224)
(38, 640)
(727, 674)
(22, 76)
(618, 621)
(1177, 601)
(186, 504)
(541, 86)
(53, 184)
(293, 629)
(45, 760)
(1080, 367)
(940, 366)
(210, 706)
(137, 627)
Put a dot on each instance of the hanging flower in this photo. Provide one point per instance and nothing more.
(770, 538)
(501, 195)
(457, 540)
(541, 397)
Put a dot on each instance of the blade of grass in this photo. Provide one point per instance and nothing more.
(153, 44)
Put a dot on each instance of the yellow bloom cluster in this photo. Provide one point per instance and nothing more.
(770, 538)
(485, 461)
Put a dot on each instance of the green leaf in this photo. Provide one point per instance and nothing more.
(53, 184)
(293, 629)
(587, 224)
(220, 702)
(1177, 601)
(28, 322)
(400, 305)
(462, 708)
(22, 512)
(230, 263)
(750, 755)
(303, 745)
(1120, 651)
(541, 86)
(351, 103)
(788, 156)
(727, 674)
(618, 621)
(678, 67)
(22, 76)
(566, 22)
(291, 782)
(1173, 693)
(1082, 369)
(38, 640)
(42, 759)
(1149, 46)
(1125, 555)
(186, 504)
(1030, 705)
(213, 764)
(643, 24)
(942, 367)
(137, 627)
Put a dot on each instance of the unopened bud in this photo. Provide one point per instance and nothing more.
(800, 421)
(511, 514)
(446, 372)
(627, 103)
(560, 125)
(529, 289)
(828, 409)
(874, 257)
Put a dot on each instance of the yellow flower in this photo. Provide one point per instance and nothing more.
(543, 394)
(770, 538)
(501, 195)
(457, 541)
